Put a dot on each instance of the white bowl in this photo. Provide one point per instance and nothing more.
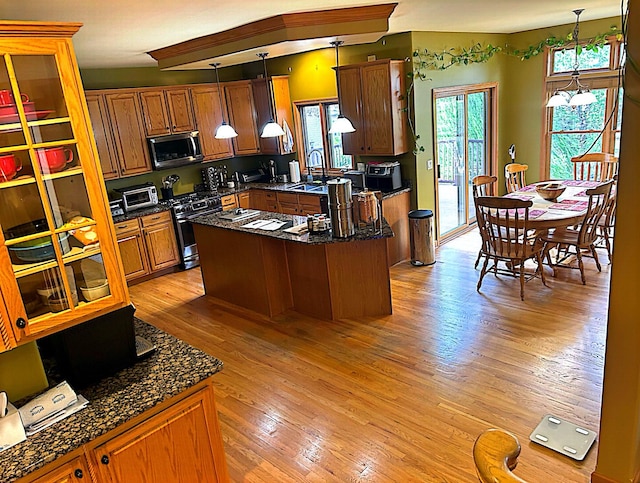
(95, 289)
(47, 292)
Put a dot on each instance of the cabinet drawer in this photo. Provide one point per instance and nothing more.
(126, 226)
(270, 195)
(288, 198)
(228, 202)
(288, 208)
(162, 217)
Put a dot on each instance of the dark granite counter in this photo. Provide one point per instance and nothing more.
(174, 367)
(323, 238)
(288, 186)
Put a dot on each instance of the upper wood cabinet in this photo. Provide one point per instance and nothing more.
(167, 111)
(125, 119)
(242, 116)
(103, 135)
(53, 204)
(208, 115)
(373, 98)
(281, 104)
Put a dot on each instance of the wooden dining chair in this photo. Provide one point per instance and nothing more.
(509, 240)
(495, 454)
(514, 176)
(582, 238)
(482, 186)
(607, 222)
(595, 167)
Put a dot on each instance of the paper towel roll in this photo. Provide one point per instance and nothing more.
(294, 171)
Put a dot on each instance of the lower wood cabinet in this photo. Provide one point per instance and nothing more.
(76, 471)
(180, 441)
(229, 202)
(147, 244)
(177, 445)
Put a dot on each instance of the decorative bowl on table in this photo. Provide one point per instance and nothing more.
(550, 191)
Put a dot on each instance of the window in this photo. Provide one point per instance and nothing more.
(594, 127)
(321, 148)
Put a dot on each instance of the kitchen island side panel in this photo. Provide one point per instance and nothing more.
(244, 269)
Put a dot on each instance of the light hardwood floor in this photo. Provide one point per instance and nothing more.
(399, 398)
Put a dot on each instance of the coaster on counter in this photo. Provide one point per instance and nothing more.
(563, 436)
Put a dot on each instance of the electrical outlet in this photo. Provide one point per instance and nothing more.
(430, 164)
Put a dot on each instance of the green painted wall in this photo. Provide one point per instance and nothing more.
(21, 372)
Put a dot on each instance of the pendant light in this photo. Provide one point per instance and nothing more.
(224, 131)
(583, 95)
(271, 129)
(341, 124)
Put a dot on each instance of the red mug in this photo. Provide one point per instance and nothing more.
(9, 166)
(53, 160)
(6, 97)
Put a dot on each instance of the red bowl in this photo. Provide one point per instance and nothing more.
(11, 109)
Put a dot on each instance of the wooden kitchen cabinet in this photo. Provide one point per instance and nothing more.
(147, 244)
(55, 208)
(160, 240)
(244, 199)
(265, 200)
(279, 86)
(229, 202)
(132, 249)
(301, 204)
(103, 135)
(182, 443)
(125, 117)
(167, 111)
(242, 116)
(373, 98)
(76, 471)
(208, 116)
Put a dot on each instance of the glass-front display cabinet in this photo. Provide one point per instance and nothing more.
(58, 252)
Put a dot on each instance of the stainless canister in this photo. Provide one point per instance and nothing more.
(340, 206)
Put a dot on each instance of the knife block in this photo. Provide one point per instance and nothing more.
(11, 429)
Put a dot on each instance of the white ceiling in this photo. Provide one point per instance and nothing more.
(118, 33)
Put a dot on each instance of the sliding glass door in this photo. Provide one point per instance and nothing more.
(464, 143)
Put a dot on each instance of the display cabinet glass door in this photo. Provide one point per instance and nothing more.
(49, 231)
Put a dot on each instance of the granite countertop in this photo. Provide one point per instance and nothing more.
(215, 221)
(150, 210)
(174, 367)
(287, 187)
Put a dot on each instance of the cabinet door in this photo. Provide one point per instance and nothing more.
(309, 204)
(76, 471)
(264, 106)
(156, 116)
(180, 111)
(244, 200)
(376, 102)
(242, 115)
(57, 237)
(133, 254)
(209, 115)
(229, 202)
(125, 115)
(351, 107)
(178, 445)
(160, 240)
(103, 135)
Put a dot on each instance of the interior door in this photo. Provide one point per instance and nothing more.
(464, 140)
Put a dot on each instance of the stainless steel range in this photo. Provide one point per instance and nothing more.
(186, 208)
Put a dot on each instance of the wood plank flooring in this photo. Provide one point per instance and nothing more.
(399, 398)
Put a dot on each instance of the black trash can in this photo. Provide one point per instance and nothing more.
(423, 250)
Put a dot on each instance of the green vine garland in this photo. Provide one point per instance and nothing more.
(425, 60)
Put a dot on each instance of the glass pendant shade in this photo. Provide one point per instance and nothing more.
(225, 131)
(272, 130)
(341, 125)
(558, 99)
(582, 98)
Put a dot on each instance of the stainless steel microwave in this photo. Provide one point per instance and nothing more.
(138, 196)
(175, 150)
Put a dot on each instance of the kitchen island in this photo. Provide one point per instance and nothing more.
(273, 271)
(153, 421)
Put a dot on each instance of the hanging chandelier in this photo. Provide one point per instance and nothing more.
(272, 129)
(341, 124)
(224, 131)
(583, 96)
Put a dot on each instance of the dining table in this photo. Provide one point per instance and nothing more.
(567, 210)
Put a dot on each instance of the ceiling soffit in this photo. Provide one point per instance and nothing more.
(290, 27)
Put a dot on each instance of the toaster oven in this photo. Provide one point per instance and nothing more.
(138, 196)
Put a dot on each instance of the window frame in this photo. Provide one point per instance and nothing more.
(300, 140)
(599, 78)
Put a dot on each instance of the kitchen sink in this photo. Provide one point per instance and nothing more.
(313, 188)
